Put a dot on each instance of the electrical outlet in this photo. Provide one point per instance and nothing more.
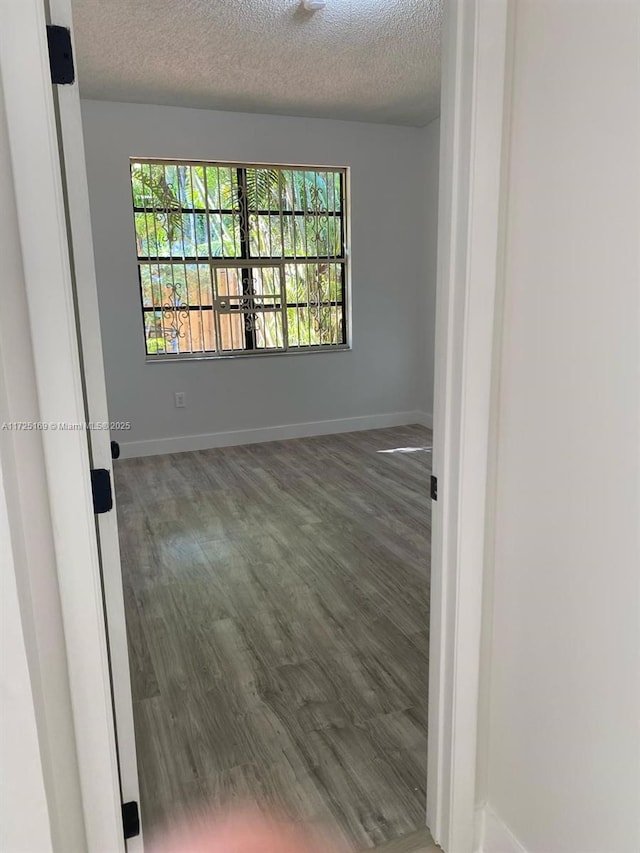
(180, 399)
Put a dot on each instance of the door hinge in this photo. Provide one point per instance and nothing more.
(130, 819)
(434, 488)
(60, 54)
(101, 490)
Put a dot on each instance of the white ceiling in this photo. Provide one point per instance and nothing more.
(365, 60)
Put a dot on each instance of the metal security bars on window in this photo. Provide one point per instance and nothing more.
(237, 259)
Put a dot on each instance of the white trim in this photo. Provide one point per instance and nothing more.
(33, 144)
(484, 698)
(205, 441)
(494, 835)
(473, 90)
(90, 339)
(425, 419)
(479, 827)
(24, 810)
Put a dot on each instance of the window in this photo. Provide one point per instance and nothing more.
(239, 259)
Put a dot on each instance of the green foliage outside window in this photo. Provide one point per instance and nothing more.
(198, 213)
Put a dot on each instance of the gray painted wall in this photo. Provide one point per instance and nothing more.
(426, 314)
(389, 371)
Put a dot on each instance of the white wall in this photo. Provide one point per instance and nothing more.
(374, 384)
(563, 758)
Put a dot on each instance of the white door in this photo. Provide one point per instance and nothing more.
(74, 175)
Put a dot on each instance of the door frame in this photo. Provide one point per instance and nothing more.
(475, 68)
(35, 159)
(72, 157)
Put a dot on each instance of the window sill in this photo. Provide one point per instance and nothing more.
(187, 357)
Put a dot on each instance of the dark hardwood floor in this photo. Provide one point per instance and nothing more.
(277, 611)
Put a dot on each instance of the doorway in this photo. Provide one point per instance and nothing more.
(283, 584)
(94, 749)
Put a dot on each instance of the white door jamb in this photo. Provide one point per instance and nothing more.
(26, 80)
(86, 292)
(473, 91)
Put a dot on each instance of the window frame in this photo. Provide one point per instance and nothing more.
(221, 262)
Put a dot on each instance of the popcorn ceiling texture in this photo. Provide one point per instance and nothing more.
(362, 60)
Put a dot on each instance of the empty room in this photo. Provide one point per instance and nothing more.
(263, 197)
(294, 559)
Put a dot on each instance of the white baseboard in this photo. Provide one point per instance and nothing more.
(424, 419)
(493, 835)
(205, 441)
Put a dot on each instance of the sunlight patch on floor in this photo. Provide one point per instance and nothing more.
(407, 450)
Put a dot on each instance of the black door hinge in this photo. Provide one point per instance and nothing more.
(101, 489)
(434, 488)
(60, 54)
(130, 819)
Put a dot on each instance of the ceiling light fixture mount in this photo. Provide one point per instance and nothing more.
(314, 5)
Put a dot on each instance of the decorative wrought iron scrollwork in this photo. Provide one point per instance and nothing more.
(176, 313)
(248, 306)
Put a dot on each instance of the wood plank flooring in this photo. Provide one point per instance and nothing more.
(416, 842)
(277, 611)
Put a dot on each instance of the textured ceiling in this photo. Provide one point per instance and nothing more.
(365, 60)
